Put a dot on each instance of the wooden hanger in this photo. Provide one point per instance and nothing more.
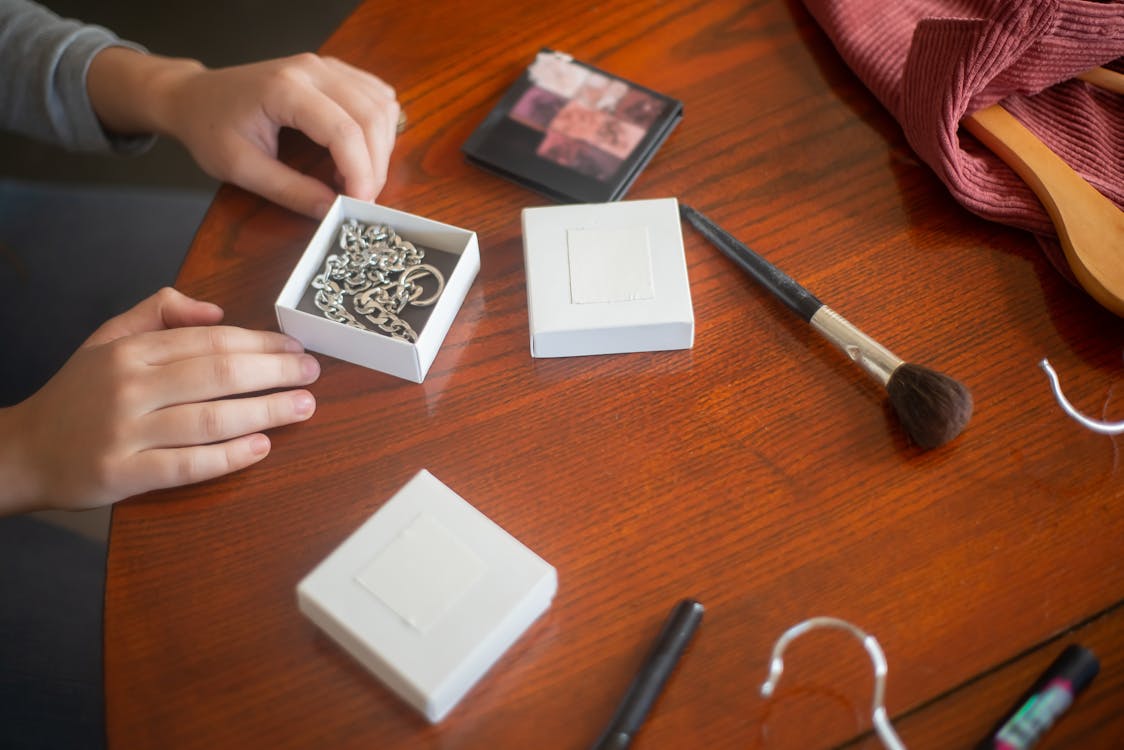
(1090, 227)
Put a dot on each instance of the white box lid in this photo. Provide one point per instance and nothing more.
(428, 593)
(607, 278)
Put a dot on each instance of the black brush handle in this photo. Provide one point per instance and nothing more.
(783, 287)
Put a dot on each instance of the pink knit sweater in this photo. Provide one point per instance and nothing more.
(931, 62)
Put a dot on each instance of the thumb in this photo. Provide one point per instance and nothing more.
(165, 309)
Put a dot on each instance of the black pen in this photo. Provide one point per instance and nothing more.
(1049, 697)
(648, 682)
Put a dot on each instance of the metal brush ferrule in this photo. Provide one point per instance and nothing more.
(877, 360)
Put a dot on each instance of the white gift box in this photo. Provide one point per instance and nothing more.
(607, 278)
(369, 348)
(427, 594)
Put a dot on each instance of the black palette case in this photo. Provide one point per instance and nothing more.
(572, 131)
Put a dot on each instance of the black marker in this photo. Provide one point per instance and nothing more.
(646, 686)
(1049, 697)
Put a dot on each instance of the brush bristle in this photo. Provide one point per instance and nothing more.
(933, 408)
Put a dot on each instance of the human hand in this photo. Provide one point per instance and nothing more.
(146, 403)
(229, 118)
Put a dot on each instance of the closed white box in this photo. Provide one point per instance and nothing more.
(428, 594)
(403, 359)
(607, 278)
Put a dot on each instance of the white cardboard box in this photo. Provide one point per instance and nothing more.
(427, 594)
(406, 360)
(607, 278)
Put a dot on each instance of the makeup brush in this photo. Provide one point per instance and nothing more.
(932, 407)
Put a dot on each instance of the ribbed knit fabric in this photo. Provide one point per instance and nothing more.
(930, 62)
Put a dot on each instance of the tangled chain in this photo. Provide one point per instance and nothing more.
(380, 272)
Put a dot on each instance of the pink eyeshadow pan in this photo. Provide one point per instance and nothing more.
(578, 156)
(617, 137)
(563, 77)
(537, 108)
(593, 89)
(639, 108)
(614, 92)
(578, 121)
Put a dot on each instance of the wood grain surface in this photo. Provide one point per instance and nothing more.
(760, 472)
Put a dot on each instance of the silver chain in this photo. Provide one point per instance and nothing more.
(380, 271)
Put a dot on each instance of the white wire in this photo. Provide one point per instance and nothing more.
(879, 717)
(1104, 428)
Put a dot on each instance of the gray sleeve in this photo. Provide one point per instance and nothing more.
(44, 60)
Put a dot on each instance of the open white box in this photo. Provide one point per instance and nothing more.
(607, 278)
(403, 359)
(428, 594)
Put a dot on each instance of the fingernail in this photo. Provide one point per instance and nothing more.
(259, 445)
(292, 345)
(303, 404)
(310, 368)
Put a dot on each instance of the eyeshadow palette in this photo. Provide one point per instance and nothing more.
(572, 131)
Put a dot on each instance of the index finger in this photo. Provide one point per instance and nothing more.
(376, 115)
(311, 111)
(164, 347)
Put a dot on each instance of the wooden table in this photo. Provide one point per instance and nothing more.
(760, 472)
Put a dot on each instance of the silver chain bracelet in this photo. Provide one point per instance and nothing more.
(380, 271)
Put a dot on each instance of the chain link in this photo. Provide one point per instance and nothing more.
(380, 272)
